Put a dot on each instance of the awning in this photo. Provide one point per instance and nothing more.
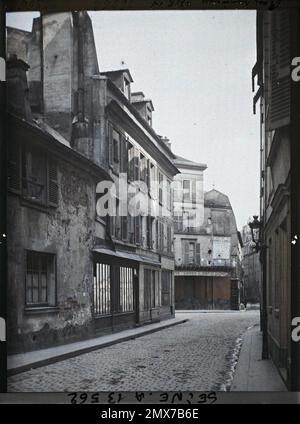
(126, 255)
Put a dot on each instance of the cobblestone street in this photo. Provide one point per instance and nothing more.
(195, 355)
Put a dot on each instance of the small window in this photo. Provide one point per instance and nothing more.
(160, 192)
(186, 190)
(40, 279)
(34, 176)
(116, 146)
(127, 88)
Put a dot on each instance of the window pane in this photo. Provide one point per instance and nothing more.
(39, 275)
(35, 288)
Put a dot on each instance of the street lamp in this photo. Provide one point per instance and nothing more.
(255, 227)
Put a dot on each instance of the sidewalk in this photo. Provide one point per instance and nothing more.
(25, 361)
(252, 373)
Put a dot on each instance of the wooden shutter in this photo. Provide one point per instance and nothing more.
(52, 183)
(280, 86)
(14, 167)
(124, 155)
(162, 232)
(136, 165)
(137, 229)
(148, 174)
(110, 143)
(186, 252)
(149, 231)
(198, 259)
(124, 227)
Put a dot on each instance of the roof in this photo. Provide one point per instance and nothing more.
(182, 162)
(52, 140)
(215, 198)
(118, 71)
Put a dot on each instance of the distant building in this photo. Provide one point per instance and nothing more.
(206, 243)
(251, 268)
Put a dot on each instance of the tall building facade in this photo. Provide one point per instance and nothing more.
(277, 42)
(90, 227)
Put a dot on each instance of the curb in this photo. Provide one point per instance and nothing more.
(61, 357)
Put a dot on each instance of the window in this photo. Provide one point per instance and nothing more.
(149, 289)
(150, 220)
(127, 88)
(130, 161)
(169, 195)
(136, 165)
(149, 116)
(161, 236)
(178, 221)
(33, 175)
(137, 229)
(166, 279)
(124, 227)
(169, 239)
(160, 182)
(115, 223)
(191, 252)
(143, 168)
(152, 181)
(124, 155)
(102, 287)
(40, 279)
(116, 146)
(186, 190)
(126, 289)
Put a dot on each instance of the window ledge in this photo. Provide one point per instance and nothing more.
(40, 310)
(34, 205)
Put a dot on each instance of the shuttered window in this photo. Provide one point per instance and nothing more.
(124, 155)
(110, 143)
(33, 175)
(52, 183)
(137, 229)
(136, 165)
(280, 86)
(14, 167)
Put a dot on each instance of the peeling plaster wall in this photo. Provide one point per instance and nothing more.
(66, 231)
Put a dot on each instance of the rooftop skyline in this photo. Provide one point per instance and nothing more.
(196, 68)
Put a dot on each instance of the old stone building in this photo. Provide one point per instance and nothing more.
(251, 268)
(277, 35)
(77, 135)
(206, 242)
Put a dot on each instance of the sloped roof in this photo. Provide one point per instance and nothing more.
(215, 198)
(182, 162)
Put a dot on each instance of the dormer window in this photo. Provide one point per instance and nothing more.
(127, 88)
(149, 116)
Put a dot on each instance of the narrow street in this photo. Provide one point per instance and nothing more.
(196, 355)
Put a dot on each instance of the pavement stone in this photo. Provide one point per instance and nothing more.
(193, 356)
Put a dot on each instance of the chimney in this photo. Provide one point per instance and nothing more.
(166, 141)
(59, 64)
(17, 88)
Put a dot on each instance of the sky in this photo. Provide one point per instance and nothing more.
(196, 67)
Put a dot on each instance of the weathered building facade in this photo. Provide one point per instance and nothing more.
(206, 243)
(251, 268)
(77, 135)
(276, 37)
